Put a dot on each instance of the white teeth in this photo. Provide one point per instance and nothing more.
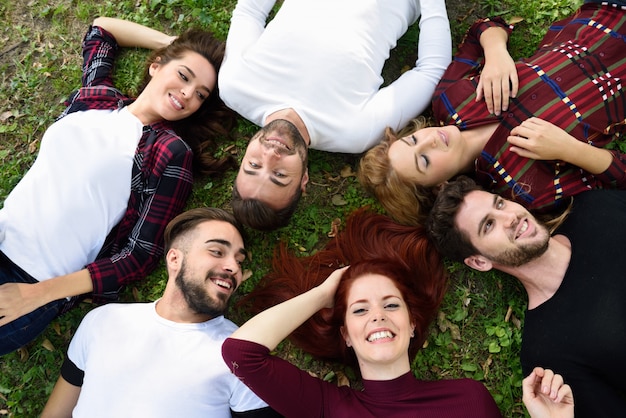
(523, 228)
(379, 335)
(176, 102)
(222, 283)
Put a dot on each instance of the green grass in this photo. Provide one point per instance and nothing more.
(478, 332)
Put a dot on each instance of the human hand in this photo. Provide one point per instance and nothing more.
(540, 140)
(329, 286)
(545, 395)
(18, 299)
(498, 83)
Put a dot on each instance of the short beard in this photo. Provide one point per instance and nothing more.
(521, 255)
(196, 295)
(287, 128)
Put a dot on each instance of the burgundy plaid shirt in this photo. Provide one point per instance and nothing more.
(161, 178)
(574, 81)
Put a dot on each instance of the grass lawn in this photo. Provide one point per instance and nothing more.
(478, 331)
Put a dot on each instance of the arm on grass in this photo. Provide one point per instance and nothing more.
(273, 325)
(130, 34)
(62, 400)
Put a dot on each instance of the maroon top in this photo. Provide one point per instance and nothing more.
(294, 393)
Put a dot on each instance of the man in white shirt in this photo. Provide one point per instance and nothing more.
(312, 78)
(163, 359)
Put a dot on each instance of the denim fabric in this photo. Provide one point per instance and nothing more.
(21, 331)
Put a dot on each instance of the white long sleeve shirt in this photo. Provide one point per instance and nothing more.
(324, 59)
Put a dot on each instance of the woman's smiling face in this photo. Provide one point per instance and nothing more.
(377, 324)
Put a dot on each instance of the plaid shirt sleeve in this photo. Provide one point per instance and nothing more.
(162, 182)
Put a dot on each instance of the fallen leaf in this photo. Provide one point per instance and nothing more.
(32, 147)
(515, 20)
(246, 274)
(23, 353)
(342, 379)
(347, 172)
(135, 294)
(57, 328)
(47, 345)
(338, 200)
(334, 228)
(6, 115)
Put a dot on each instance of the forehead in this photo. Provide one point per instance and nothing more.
(201, 67)
(219, 230)
(372, 286)
(476, 205)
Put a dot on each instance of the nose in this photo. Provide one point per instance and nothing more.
(508, 218)
(231, 265)
(272, 152)
(378, 315)
(186, 91)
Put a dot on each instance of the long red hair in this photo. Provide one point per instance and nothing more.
(371, 244)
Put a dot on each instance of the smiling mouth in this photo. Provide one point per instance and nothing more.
(522, 228)
(379, 335)
(177, 103)
(223, 283)
(444, 138)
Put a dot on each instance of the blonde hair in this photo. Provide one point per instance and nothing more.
(408, 203)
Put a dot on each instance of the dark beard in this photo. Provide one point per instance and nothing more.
(519, 256)
(284, 127)
(196, 295)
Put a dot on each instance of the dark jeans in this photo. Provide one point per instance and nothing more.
(24, 329)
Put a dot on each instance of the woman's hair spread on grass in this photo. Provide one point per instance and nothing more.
(405, 201)
(214, 120)
(370, 243)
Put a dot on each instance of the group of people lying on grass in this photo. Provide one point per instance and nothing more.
(531, 133)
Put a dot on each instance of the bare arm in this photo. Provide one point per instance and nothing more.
(18, 299)
(130, 34)
(273, 325)
(498, 80)
(62, 400)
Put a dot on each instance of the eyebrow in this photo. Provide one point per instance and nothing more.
(417, 166)
(226, 244)
(272, 179)
(194, 76)
(384, 299)
(483, 220)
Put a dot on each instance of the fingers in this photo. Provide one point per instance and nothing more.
(545, 382)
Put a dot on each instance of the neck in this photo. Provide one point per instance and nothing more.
(173, 307)
(543, 276)
(293, 117)
(476, 139)
(142, 112)
(384, 371)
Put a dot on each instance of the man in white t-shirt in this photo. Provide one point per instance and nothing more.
(312, 78)
(163, 359)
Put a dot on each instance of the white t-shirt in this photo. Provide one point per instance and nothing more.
(56, 219)
(324, 59)
(138, 364)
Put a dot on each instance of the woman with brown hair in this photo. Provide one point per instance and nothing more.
(89, 215)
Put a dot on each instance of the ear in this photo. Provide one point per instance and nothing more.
(305, 179)
(478, 262)
(154, 66)
(173, 260)
(345, 336)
